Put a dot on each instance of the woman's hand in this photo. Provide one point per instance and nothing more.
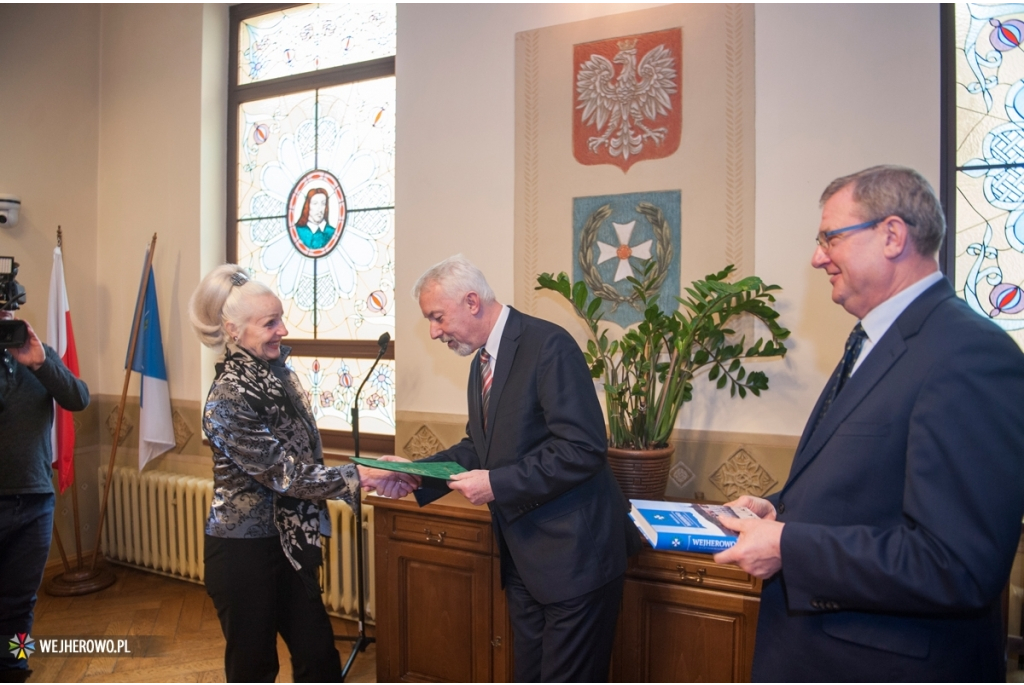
(391, 484)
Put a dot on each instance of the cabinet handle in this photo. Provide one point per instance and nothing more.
(496, 642)
(688, 577)
(431, 537)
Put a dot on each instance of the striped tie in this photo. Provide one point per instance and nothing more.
(485, 383)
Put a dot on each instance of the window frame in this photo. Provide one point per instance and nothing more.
(259, 90)
(947, 143)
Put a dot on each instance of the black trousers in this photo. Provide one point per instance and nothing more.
(257, 595)
(565, 642)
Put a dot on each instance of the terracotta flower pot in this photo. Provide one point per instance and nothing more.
(642, 474)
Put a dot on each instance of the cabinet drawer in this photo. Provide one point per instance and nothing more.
(692, 569)
(441, 531)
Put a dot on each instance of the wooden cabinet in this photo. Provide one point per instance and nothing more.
(441, 613)
(685, 619)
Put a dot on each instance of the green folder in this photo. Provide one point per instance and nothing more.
(442, 470)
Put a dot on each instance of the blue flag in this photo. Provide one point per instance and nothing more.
(156, 428)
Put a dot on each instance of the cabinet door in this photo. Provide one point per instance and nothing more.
(441, 600)
(501, 632)
(672, 633)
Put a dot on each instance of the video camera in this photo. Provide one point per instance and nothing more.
(12, 296)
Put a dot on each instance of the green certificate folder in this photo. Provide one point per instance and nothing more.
(442, 470)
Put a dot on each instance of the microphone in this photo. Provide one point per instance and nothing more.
(382, 343)
(361, 641)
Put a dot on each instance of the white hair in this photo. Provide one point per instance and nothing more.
(456, 276)
(227, 294)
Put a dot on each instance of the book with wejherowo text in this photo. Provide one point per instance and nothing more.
(686, 527)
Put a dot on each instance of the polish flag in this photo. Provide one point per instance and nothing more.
(60, 337)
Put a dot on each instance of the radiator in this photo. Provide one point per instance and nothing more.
(155, 522)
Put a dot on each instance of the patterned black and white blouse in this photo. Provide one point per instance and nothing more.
(268, 469)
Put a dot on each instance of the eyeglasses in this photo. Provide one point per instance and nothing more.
(824, 239)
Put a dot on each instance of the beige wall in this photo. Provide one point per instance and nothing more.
(49, 149)
(115, 132)
(839, 87)
(455, 166)
(151, 152)
(49, 145)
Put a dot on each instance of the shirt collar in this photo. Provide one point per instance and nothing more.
(494, 339)
(879, 319)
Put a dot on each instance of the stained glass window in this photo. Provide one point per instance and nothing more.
(308, 38)
(311, 197)
(988, 208)
(331, 385)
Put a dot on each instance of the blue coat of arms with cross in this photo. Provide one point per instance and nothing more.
(613, 238)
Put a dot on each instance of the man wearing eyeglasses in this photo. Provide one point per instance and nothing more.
(885, 553)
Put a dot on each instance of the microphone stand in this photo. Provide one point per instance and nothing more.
(360, 641)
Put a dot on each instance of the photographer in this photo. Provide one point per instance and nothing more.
(32, 377)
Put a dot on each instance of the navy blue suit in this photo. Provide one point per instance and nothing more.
(559, 516)
(903, 510)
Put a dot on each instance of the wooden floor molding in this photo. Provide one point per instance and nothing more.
(186, 646)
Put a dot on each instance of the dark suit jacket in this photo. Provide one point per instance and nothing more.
(558, 513)
(903, 510)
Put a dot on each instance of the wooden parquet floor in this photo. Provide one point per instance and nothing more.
(187, 645)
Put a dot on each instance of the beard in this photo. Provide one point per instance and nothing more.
(462, 349)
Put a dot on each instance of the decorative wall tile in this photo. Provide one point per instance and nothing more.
(126, 425)
(680, 474)
(182, 433)
(742, 475)
(423, 443)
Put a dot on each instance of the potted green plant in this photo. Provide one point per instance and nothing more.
(648, 372)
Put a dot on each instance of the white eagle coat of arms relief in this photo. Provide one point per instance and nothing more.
(628, 99)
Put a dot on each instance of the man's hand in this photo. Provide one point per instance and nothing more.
(391, 484)
(762, 507)
(758, 551)
(474, 485)
(31, 354)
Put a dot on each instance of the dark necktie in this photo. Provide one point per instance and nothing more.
(485, 383)
(853, 345)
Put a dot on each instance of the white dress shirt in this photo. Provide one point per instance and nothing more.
(879, 319)
(494, 339)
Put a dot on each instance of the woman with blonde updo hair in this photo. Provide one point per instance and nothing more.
(262, 545)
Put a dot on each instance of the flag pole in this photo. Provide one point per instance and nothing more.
(60, 548)
(80, 581)
(124, 395)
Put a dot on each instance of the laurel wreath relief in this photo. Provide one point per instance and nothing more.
(662, 253)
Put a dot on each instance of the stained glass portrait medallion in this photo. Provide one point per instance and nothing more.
(989, 263)
(316, 213)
